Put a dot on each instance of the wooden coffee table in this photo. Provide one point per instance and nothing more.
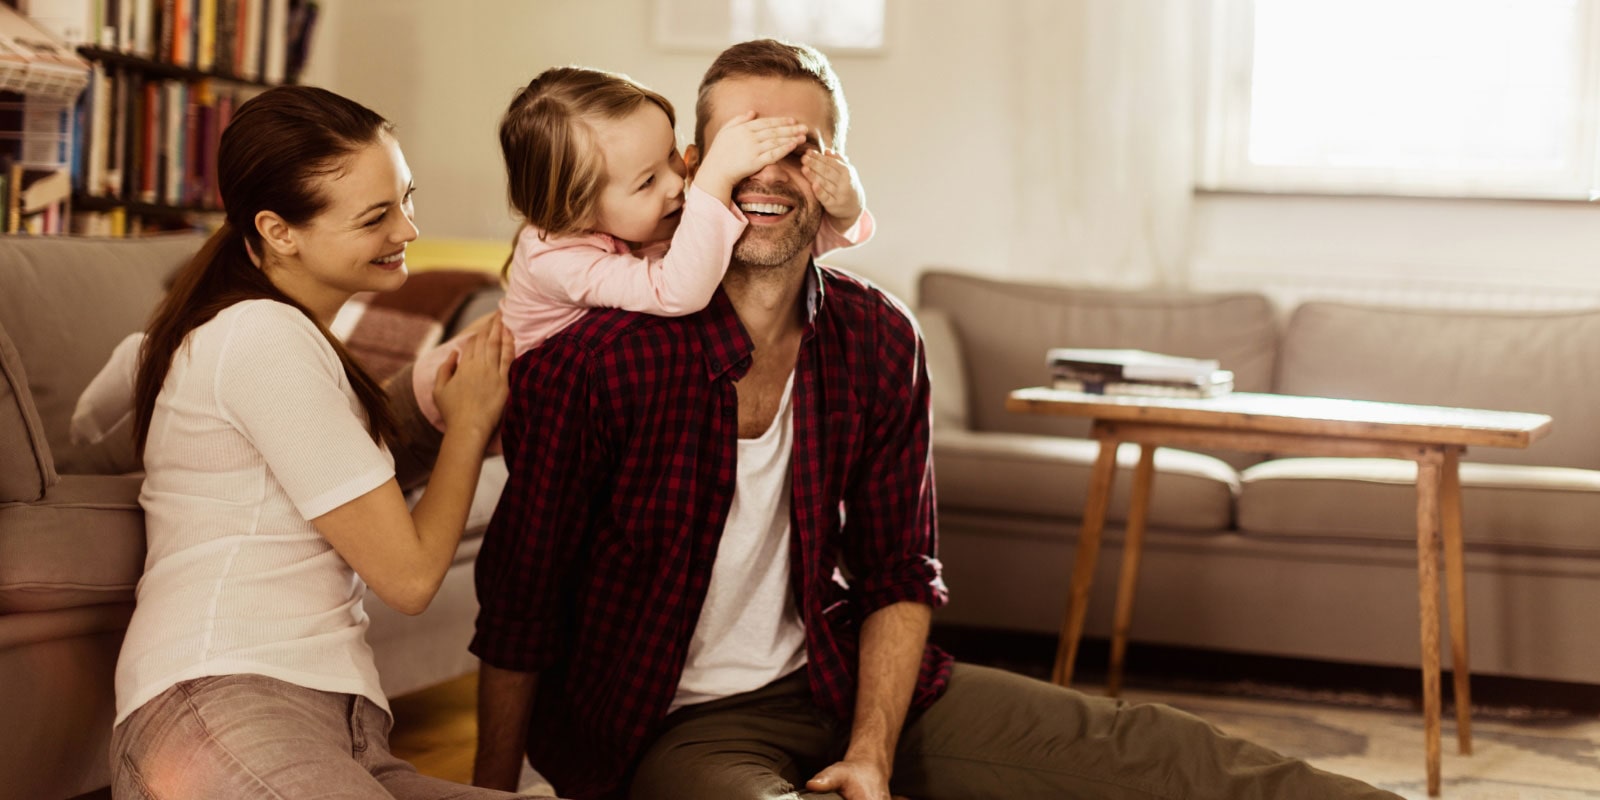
(1432, 436)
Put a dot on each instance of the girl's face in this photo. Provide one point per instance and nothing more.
(643, 194)
(358, 242)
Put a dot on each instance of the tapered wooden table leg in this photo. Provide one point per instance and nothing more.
(1094, 520)
(1132, 546)
(1428, 596)
(1456, 591)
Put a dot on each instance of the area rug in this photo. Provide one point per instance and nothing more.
(1518, 754)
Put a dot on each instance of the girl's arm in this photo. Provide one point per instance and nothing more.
(577, 272)
(830, 238)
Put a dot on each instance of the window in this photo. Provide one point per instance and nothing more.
(1472, 98)
(832, 25)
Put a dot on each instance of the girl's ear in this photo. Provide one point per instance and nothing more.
(276, 235)
(691, 160)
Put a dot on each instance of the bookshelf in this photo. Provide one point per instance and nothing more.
(164, 78)
(161, 69)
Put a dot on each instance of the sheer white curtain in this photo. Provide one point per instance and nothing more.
(1105, 141)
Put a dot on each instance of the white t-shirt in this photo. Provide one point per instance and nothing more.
(750, 633)
(255, 432)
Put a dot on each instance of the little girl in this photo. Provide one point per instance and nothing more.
(595, 172)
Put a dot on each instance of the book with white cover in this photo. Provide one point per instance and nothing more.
(1220, 384)
(1133, 364)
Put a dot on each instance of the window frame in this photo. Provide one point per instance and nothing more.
(1223, 139)
(712, 38)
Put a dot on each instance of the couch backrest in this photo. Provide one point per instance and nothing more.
(1544, 362)
(66, 302)
(1005, 328)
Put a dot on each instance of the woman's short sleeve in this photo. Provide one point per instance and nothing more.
(279, 381)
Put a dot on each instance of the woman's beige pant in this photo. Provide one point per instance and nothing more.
(247, 736)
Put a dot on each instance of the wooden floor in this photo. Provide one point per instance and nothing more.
(437, 729)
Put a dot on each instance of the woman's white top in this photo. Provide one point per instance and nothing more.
(255, 432)
(750, 633)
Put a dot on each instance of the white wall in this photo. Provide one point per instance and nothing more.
(930, 132)
(934, 136)
(1477, 253)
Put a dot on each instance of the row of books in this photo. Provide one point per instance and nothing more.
(255, 40)
(1136, 373)
(39, 201)
(151, 140)
(34, 200)
(36, 132)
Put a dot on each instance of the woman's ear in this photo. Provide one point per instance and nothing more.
(276, 235)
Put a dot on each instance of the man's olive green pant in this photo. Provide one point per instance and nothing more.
(993, 734)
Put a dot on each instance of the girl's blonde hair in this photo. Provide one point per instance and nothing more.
(553, 173)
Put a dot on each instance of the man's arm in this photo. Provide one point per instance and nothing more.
(505, 705)
(891, 547)
(892, 641)
(533, 546)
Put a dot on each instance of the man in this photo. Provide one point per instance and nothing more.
(665, 608)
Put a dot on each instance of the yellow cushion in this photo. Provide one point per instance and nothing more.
(485, 255)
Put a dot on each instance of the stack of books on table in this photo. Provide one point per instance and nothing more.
(1136, 373)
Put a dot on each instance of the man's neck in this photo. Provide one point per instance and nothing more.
(767, 299)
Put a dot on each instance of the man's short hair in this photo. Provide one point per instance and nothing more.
(772, 58)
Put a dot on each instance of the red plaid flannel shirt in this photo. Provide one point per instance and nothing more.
(621, 440)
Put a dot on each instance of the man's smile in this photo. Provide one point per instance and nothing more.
(764, 209)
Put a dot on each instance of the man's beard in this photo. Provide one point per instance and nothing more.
(769, 246)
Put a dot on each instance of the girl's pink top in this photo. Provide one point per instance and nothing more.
(554, 281)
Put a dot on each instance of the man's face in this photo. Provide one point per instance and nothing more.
(775, 239)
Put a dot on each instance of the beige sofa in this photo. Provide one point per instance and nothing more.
(1300, 557)
(72, 537)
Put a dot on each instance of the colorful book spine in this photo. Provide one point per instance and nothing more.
(205, 58)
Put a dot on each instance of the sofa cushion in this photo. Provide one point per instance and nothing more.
(81, 545)
(1544, 362)
(26, 468)
(1507, 506)
(1014, 473)
(946, 376)
(1006, 328)
(66, 302)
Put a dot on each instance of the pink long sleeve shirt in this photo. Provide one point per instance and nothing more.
(555, 280)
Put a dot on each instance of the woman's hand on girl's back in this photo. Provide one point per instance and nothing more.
(471, 386)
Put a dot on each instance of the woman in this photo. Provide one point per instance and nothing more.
(270, 499)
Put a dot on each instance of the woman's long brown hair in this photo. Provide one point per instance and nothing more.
(273, 153)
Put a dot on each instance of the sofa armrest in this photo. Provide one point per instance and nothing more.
(26, 467)
(82, 544)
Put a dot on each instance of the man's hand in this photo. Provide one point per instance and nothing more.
(856, 780)
(836, 184)
(742, 148)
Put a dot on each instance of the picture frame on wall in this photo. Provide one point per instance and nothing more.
(833, 26)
